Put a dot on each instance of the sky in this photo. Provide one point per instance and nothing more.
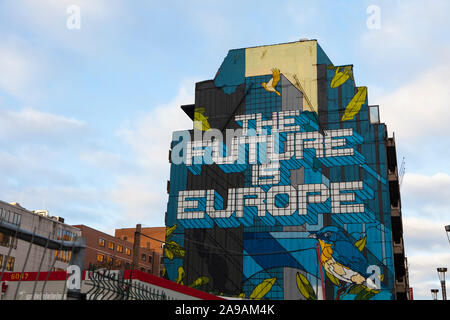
(86, 114)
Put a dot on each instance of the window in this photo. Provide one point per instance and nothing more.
(16, 219)
(119, 248)
(143, 269)
(100, 257)
(118, 263)
(150, 259)
(101, 242)
(125, 238)
(10, 265)
(4, 214)
(128, 251)
(6, 241)
(63, 255)
(111, 245)
(149, 271)
(109, 260)
(143, 257)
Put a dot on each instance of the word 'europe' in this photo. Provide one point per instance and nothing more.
(285, 204)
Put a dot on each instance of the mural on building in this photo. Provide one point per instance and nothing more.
(293, 203)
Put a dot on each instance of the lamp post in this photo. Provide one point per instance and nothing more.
(434, 293)
(441, 273)
(447, 230)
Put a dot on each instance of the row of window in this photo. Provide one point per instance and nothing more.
(65, 235)
(112, 245)
(9, 263)
(117, 263)
(144, 258)
(10, 216)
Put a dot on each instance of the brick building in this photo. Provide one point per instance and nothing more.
(106, 251)
(158, 233)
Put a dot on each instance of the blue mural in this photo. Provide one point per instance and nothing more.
(294, 205)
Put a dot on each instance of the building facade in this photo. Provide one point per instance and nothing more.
(39, 222)
(151, 238)
(286, 187)
(18, 255)
(154, 241)
(106, 251)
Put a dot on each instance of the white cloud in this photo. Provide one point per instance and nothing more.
(426, 196)
(425, 235)
(143, 196)
(423, 275)
(47, 20)
(20, 69)
(407, 25)
(419, 109)
(425, 202)
(32, 125)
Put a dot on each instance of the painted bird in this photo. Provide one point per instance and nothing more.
(270, 86)
(341, 258)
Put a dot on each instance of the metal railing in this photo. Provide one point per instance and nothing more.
(112, 285)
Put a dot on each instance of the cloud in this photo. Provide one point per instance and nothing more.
(19, 68)
(142, 197)
(47, 20)
(426, 195)
(419, 109)
(424, 236)
(30, 125)
(407, 26)
(423, 275)
(425, 202)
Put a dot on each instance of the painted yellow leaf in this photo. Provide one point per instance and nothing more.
(305, 287)
(170, 230)
(175, 248)
(199, 282)
(180, 275)
(168, 253)
(349, 70)
(333, 279)
(242, 295)
(262, 289)
(355, 104)
(361, 244)
(339, 78)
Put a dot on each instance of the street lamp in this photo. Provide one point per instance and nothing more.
(447, 229)
(434, 293)
(441, 273)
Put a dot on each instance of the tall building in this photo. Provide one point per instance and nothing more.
(286, 186)
(106, 251)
